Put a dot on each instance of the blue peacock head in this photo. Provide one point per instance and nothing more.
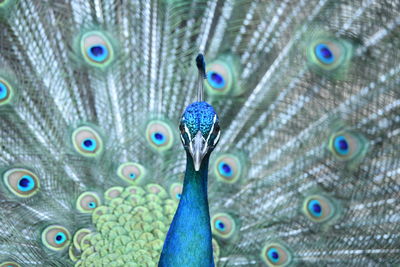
(200, 131)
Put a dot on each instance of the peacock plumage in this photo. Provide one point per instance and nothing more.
(307, 168)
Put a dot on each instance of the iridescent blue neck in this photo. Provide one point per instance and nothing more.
(188, 242)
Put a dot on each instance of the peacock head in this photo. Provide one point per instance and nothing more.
(199, 131)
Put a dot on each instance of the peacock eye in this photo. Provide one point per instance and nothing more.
(96, 49)
(318, 208)
(56, 237)
(87, 141)
(87, 202)
(159, 135)
(21, 182)
(348, 146)
(327, 54)
(276, 255)
(223, 225)
(228, 168)
(131, 172)
(219, 78)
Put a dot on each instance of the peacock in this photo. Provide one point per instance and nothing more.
(109, 133)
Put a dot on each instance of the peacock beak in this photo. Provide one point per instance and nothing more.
(198, 149)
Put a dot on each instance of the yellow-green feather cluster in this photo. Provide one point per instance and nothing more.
(130, 228)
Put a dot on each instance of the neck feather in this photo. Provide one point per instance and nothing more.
(188, 242)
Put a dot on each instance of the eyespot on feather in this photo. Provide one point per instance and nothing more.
(318, 208)
(223, 225)
(228, 168)
(56, 237)
(96, 49)
(159, 135)
(131, 172)
(275, 254)
(327, 54)
(87, 202)
(21, 182)
(87, 141)
(219, 78)
(348, 146)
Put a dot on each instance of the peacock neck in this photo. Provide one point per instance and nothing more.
(188, 242)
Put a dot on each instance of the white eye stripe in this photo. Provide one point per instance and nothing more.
(217, 138)
(188, 132)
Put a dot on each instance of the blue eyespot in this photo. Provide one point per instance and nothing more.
(273, 255)
(216, 80)
(324, 54)
(98, 52)
(178, 196)
(21, 182)
(220, 225)
(349, 147)
(341, 145)
(56, 237)
(3, 91)
(87, 201)
(320, 209)
(159, 135)
(230, 168)
(26, 183)
(131, 172)
(60, 238)
(315, 208)
(92, 205)
(223, 225)
(89, 144)
(87, 141)
(158, 138)
(225, 169)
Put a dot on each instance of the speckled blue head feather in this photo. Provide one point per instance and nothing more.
(199, 116)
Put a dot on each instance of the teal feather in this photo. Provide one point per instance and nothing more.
(307, 166)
